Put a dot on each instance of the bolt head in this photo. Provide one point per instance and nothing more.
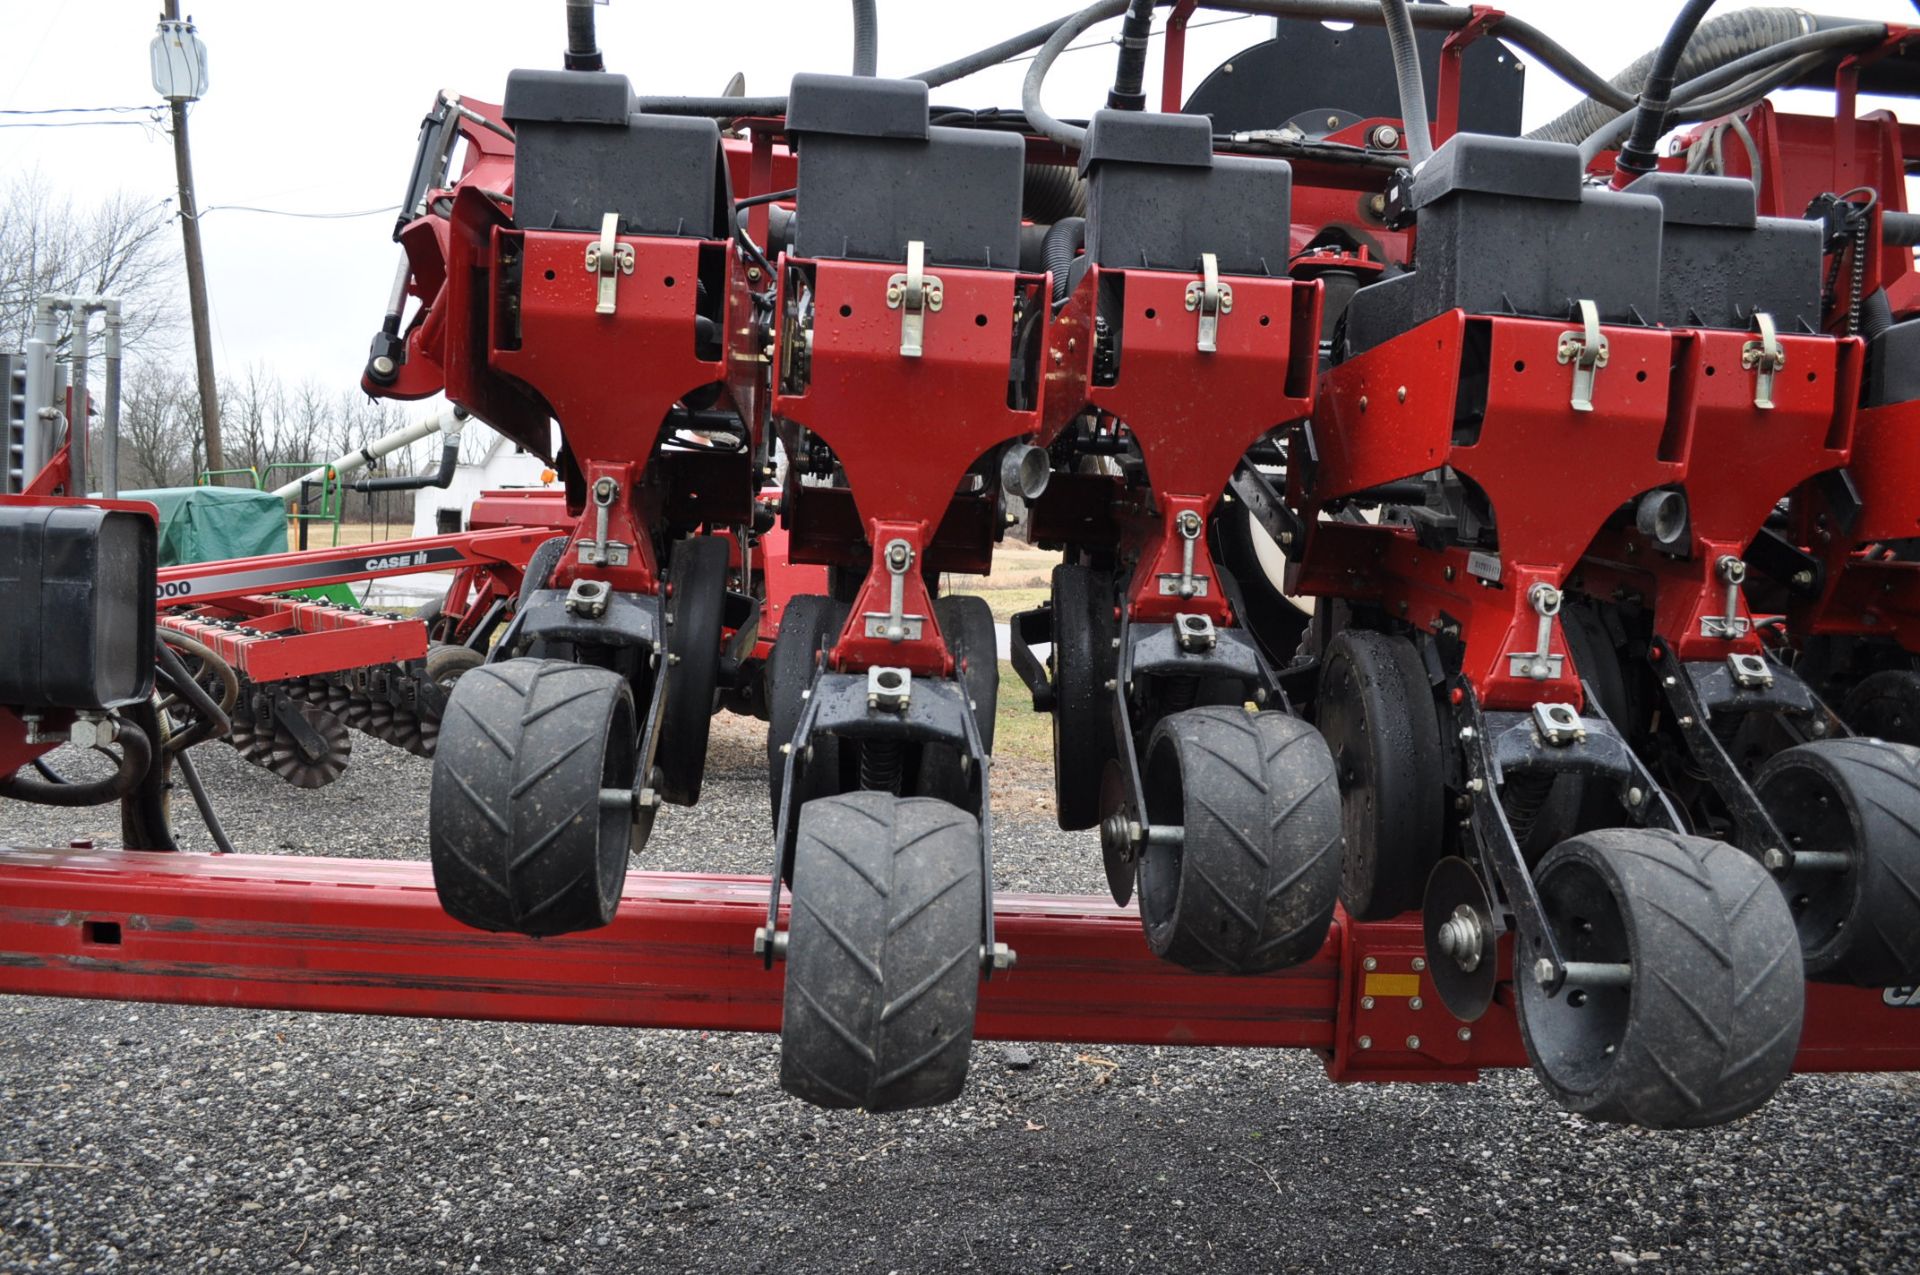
(1543, 972)
(1419, 963)
(1370, 964)
(1416, 1003)
(1366, 1002)
(1465, 1033)
(1365, 1042)
(1775, 859)
(1413, 1042)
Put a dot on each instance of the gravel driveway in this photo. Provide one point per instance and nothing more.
(153, 1138)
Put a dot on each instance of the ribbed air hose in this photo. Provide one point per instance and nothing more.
(866, 38)
(1717, 41)
(583, 52)
(1050, 192)
(1059, 248)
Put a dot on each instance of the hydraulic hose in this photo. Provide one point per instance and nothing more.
(1741, 81)
(866, 38)
(136, 754)
(215, 829)
(994, 55)
(1407, 79)
(946, 73)
(1721, 40)
(583, 51)
(1063, 242)
(214, 720)
(1656, 92)
(1520, 35)
(1127, 93)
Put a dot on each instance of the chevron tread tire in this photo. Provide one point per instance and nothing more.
(519, 838)
(883, 952)
(1861, 926)
(1252, 886)
(1707, 1028)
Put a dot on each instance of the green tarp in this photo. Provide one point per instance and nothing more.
(202, 524)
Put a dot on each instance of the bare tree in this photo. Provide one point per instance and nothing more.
(119, 248)
(159, 426)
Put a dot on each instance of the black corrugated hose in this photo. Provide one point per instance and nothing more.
(1650, 111)
(1062, 244)
(1719, 41)
(1131, 73)
(866, 38)
(1406, 77)
(583, 51)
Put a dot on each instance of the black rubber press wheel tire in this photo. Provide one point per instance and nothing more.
(883, 953)
(693, 642)
(1707, 1026)
(1081, 661)
(809, 625)
(1861, 797)
(1252, 884)
(1886, 705)
(966, 622)
(1375, 707)
(520, 836)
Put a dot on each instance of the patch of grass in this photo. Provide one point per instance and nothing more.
(1005, 602)
(1018, 731)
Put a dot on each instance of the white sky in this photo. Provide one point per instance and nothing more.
(316, 109)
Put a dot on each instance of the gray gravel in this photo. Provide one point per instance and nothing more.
(153, 1138)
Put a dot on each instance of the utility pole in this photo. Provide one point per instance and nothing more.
(196, 267)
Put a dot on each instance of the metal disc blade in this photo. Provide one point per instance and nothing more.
(1455, 895)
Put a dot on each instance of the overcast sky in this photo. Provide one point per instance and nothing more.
(315, 108)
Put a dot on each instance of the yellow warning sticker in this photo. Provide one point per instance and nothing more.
(1393, 985)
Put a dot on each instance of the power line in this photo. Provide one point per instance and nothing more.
(1110, 41)
(284, 212)
(82, 110)
(78, 124)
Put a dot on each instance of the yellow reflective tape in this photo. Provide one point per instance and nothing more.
(1393, 985)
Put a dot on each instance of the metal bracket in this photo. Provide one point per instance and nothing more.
(889, 689)
(1585, 348)
(600, 551)
(1558, 724)
(1764, 358)
(587, 598)
(913, 293)
(1212, 299)
(1750, 672)
(1186, 584)
(1195, 632)
(1539, 664)
(608, 258)
(893, 626)
(1731, 624)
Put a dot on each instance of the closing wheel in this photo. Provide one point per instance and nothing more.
(1080, 662)
(1886, 705)
(1859, 799)
(967, 624)
(1249, 883)
(883, 952)
(693, 645)
(1375, 707)
(445, 665)
(809, 625)
(1688, 1005)
(529, 821)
